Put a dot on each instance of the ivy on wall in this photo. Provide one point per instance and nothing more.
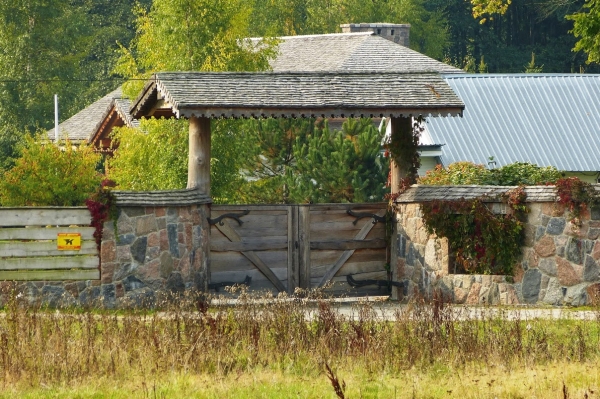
(480, 241)
(575, 195)
(103, 207)
(402, 147)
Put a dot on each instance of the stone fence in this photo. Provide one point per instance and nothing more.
(559, 263)
(158, 245)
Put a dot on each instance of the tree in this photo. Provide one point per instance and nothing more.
(507, 40)
(340, 166)
(429, 33)
(47, 47)
(203, 35)
(153, 157)
(47, 174)
(586, 27)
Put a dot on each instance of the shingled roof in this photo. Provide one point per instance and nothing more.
(306, 94)
(353, 52)
(80, 126)
(87, 123)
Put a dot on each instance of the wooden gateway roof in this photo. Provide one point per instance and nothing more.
(296, 94)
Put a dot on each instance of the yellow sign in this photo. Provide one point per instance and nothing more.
(69, 241)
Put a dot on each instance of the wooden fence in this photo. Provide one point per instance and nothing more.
(47, 244)
(284, 247)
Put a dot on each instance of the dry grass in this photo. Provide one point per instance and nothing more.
(269, 349)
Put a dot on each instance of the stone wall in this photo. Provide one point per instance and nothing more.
(559, 263)
(160, 246)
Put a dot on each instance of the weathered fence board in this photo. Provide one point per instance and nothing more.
(49, 275)
(40, 248)
(49, 233)
(49, 263)
(64, 216)
(30, 250)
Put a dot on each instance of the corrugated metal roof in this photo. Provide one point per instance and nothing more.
(545, 119)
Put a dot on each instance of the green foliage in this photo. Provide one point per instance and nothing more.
(340, 166)
(524, 173)
(456, 173)
(508, 40)
(586, 27)
(480, 241)
(153, 157)
(302, 161)
(52, 47)
(514, 174)
(203, 35)
(47, 174)
(485, 9)
(532, 67)
(429, 33)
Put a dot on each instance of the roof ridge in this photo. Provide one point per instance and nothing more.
(317, 35)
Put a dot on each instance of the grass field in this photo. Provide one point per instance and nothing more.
(270, 350)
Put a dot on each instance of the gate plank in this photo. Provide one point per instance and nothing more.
(347, 254)
(250, 245)
(230, 233)
(348, 244)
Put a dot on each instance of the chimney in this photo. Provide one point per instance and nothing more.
(398, 33)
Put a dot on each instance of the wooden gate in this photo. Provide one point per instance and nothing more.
(284, 247)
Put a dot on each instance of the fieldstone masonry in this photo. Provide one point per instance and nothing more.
(158, 245)
(559, 264)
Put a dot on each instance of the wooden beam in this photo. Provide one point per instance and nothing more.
(199, 155)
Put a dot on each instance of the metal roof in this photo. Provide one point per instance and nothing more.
(288, 94)
(545, 119)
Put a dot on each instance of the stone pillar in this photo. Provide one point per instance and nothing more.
(199, 155)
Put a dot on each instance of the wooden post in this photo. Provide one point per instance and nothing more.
(401, 134)
(199, 156)
(401, 131)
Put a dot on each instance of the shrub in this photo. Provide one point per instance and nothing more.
(514, 174)
(51, 175)
(457, 173)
